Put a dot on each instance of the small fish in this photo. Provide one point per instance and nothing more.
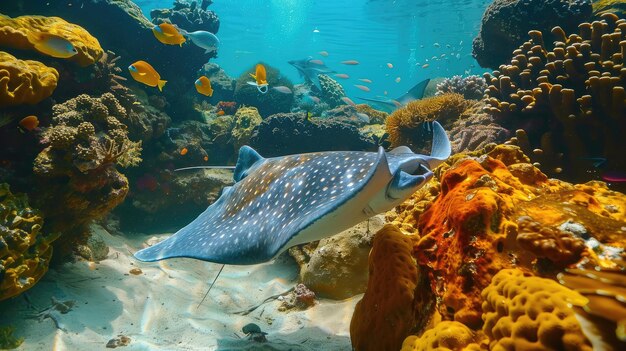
(203, 86)
(362, 87)
(365, 80)
(461, 42)
(52, 45)
(348, 101)
(342, 75)
(205, 158)
(136, 103)
(443, 55)
(315, 99)
(324, 53)
(362, 117)
(448, 46)
(426, 65)
(398, 79)
(458, 56)
(350, 62)
(436, 45)
(202, 39)
(614, 177)
(221, 113)
(282, 89)
(168, 34)
(143, 72)
(385, 93)
(317, 62)
(390, 65)
(260, 77)
(184, 151)
(29, 123)
(316, 30)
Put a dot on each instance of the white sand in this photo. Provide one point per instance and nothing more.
(157, 309)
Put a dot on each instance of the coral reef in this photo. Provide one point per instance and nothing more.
(223, 85)
(505, 22)
(601, 7)
(292, 133)
(387, 312)
(77, 166)
(336, 267)
(531, 313)
(471, 87)
(14, 33)
(569, 99)
(269, 103)
(187, 15)
(405, 126)
(300, 298)
(375, 116)
(24, 81)
(246, 120)
(7, 340)
(447, 335)
(332, 91)
(25, 249)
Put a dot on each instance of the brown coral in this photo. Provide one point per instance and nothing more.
(569, 98)
(25, 249)
(386, 314)
(531, 313)
(405, 125)
(14, 32)
(25, 81)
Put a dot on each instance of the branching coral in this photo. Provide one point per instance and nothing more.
(25, 249)
(405, 125)
(569, 99)
(475, 129)
(471, 87)
(25, 81)
(332, 92)
(14, 32)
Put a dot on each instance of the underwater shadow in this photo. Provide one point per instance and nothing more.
(313, 339)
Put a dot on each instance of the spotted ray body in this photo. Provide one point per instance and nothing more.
(279, 202)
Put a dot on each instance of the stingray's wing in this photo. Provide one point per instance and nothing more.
(253, 220)
(415, 93)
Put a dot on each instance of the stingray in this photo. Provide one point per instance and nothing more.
(390, 105)
(280, 202)
(310, 70)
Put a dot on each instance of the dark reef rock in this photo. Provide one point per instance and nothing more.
(188, 16)
(506, 23)
(269, 103)
(222, 84)
(292, 133)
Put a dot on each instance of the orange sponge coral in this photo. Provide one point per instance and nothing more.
(444, 336)
(531, 313)
(25, 81)
(14, 32)
(383, 318)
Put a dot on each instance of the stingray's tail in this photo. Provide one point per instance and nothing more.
(204, 167)
(441, 149)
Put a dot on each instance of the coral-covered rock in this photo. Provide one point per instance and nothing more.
(292, 133)
(375, 116)
(269, 103)
(332, 91)
(223, 85)
(189, 16)
(25, 81)
(246, 120)
(14, 32)
(568, 98)
(25, 249)
(386, 314)
(445, 336)
(475, 129)
(336, 267)
(531, 313)
(405, 126)
(505, 23)
(471, 87)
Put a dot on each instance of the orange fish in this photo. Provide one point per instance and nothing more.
(142, 72)
(221, 113)
(206, 158)
(52, 44)
(203, 86)
(260, 76)
(29, 123)
(168, 34)
(183, 151)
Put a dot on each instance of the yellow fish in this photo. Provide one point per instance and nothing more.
(203, 86)
(146, 74)
(168, 34)
(260, 77)
(52, 45)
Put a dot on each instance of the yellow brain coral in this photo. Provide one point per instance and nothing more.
(25, 81)
(14, 33)
(444, 336)
(531, 313)
(383, 318)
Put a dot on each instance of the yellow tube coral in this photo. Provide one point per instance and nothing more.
(25, 81)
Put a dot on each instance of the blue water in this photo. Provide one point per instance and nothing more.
(405, 33)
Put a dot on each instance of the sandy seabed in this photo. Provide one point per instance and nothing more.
(158, 308)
